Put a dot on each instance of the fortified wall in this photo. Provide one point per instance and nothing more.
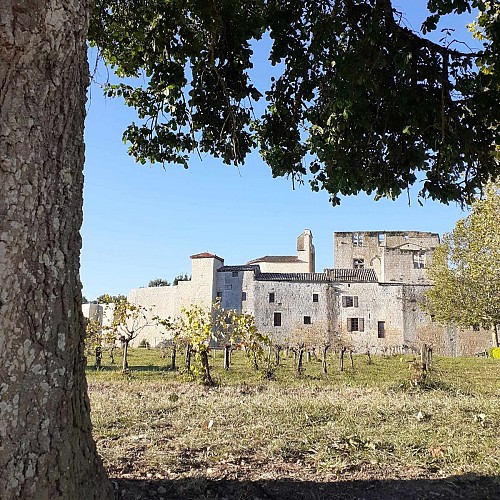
(370, 299)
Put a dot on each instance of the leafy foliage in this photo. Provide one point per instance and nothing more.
(362, 102)
(198, 328)
(158, 282)
(128, 321)
(109, 299)
(181, 277)
(466, 268)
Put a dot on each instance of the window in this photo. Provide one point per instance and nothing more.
(228, 287)
(418, 260)
(271, 297)
(315, 297)
(381, 239)
(234, 274)
(243, 296)
(357, 239)
(350, 301)
(355, 324)
(307, 320)
(219, 295)
(277, 319)
(359, 263)
(381, 329)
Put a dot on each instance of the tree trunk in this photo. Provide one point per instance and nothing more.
(125, 355)
(207, 378)
(324, 366)
(98, 357)
(300, 356)
(188, 357)
(47, 450)
(173, 355)
(277, 351)
(227, 349)
(341, 358)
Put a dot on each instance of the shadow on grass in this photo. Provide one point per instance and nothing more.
(118, 368)
(470, 487)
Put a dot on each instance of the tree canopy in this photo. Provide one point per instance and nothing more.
(362, 102)
(466, 269)
(159, 282)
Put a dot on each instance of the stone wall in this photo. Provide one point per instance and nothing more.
(293, 301)
(396, 256)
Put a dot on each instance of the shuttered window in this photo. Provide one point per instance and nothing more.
(355, 324)
(350, 301)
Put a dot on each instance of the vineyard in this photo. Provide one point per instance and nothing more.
(366, 432)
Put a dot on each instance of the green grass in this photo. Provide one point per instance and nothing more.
(365, 422)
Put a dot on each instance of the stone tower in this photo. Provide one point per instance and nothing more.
(305, 249)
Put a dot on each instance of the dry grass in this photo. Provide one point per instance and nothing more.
(361, 424)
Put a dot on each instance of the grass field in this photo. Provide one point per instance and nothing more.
(362, 433)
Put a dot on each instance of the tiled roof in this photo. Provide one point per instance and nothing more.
(352, 275)
(206, 255)
(276, 258)
(225, 269)
(300, 277)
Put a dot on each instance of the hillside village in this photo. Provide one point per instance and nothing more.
(370, 299)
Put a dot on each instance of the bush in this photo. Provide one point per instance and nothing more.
(145, 344)
(495, 352)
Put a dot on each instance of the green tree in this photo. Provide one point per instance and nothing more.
(109, 299)
(196, 56)
(128, 321)
(181, 277)
(466, 269)
(362, 102)
(158, 282)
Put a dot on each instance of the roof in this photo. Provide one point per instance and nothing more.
(276, 258)
(300, 277)
(352, 275)
(225, 269)
(206, 255)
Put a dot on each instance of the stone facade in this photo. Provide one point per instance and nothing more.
(395, 256)
(369, 300)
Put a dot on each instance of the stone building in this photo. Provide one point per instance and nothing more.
(370, 299)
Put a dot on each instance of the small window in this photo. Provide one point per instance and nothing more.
(228, 287)
(418, 260)
(315, 297)
(359, 263)
(277, 319)
(381, 329)
(357, 239)
(307, 320)
(350, 301)
(219, 295)
(355, 324)
(271, 297)
(234, 274)
(381, 239)
(243, 296)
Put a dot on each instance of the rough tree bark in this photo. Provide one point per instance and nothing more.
(46, 446)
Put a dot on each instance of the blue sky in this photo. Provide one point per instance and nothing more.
(143, 222)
